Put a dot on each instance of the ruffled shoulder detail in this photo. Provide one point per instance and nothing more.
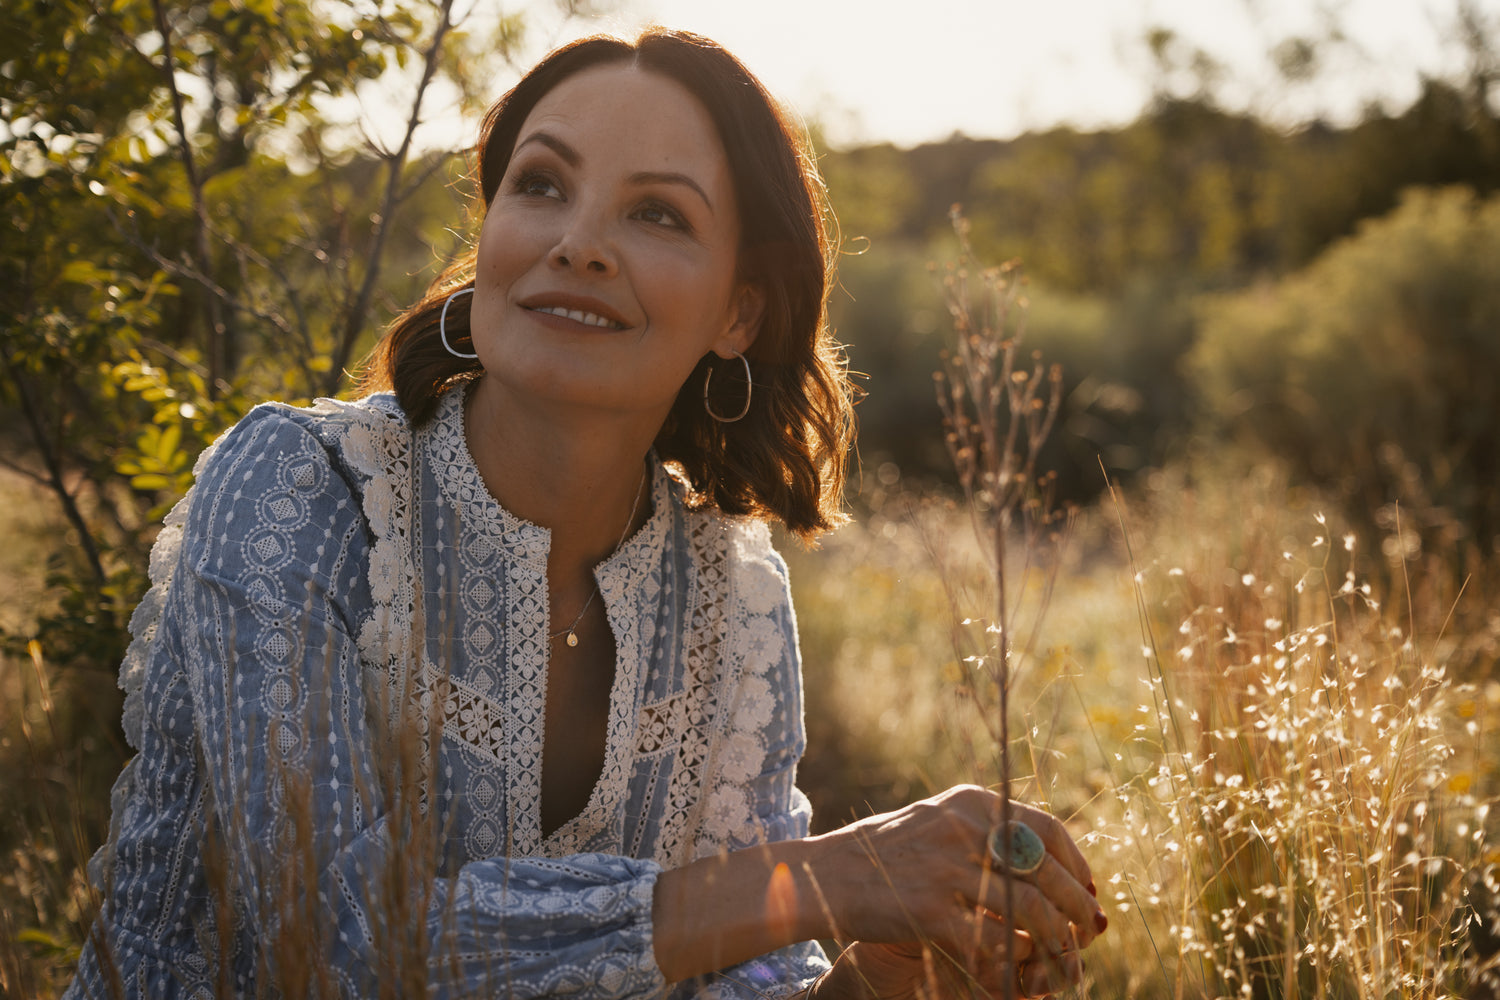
(374, 425)
(146, 618)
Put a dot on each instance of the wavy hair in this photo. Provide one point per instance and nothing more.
(785, 459)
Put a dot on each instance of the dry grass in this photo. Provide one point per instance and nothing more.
(1300, 807)
(1280, 776)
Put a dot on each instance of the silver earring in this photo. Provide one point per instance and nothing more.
(443, 325)
(749, 388)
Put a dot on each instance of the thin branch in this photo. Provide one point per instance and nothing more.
(355, 318)
(425, 174)
(53, 461)
(216, 329)
(173, 355)
(216, 292)
(245, 255)
(21, 470)
(995, 426)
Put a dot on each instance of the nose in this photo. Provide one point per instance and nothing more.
(584, 246)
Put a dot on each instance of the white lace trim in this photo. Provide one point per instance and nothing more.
(751, 595)
(494, 542)
(144, 621)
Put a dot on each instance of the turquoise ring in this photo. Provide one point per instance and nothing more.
(1016, 849)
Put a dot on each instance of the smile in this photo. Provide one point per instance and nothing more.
(579, 316)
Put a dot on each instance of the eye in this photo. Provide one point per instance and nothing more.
(537, 184)
(661, 214)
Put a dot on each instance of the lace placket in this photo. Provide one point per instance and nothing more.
(483, 682)
(630, 584)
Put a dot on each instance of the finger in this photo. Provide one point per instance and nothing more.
(994, 973)
(1074, 901)
(974, 933)
(995, 937)
(992, 962)
(1032, 912)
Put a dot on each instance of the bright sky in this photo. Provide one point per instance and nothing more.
(916, 70)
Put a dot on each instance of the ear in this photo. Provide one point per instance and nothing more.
(746, 312)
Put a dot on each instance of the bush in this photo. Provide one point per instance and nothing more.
(1376, 370)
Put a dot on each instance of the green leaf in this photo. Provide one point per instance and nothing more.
(33, 935)
(166, 448)
(83, 272)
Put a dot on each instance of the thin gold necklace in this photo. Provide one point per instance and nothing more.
(570, 631)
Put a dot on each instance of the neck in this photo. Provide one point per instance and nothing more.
(576, 474)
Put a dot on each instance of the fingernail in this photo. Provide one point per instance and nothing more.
(1101, 922)
(1092, 891)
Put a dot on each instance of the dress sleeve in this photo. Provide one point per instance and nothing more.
(323, 859)
(757, 765)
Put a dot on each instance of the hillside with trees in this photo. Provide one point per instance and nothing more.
(1126, 236)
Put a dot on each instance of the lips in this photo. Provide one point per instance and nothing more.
(587, 311)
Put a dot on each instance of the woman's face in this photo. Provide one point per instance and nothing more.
(607, 260)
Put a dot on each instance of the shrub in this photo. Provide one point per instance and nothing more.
(1376, 370)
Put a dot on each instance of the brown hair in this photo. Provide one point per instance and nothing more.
(785, 459)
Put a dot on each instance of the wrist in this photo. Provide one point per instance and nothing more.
(727, 908)
(802, 899)
(833, 868)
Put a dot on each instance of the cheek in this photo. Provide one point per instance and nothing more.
(499, 250)
(686, 292)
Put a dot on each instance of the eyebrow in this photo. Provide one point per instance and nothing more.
(671, 177)
(571, 157)
(568, 153)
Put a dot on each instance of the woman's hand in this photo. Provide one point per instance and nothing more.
(919, 882)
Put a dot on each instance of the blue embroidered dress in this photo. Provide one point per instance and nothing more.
(336, 578)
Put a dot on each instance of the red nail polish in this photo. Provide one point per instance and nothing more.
(1092, 891)
(1101, 922)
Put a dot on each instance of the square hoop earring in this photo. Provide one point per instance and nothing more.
(443, 325)
(749, 391)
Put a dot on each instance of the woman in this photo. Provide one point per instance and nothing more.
(490, 685)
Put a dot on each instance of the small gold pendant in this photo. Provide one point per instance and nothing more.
(572, 639)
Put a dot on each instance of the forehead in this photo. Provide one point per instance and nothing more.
(624, 111)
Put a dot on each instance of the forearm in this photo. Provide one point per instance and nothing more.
(733, 907)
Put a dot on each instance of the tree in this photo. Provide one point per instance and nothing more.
(192, 222)
(192, 227)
